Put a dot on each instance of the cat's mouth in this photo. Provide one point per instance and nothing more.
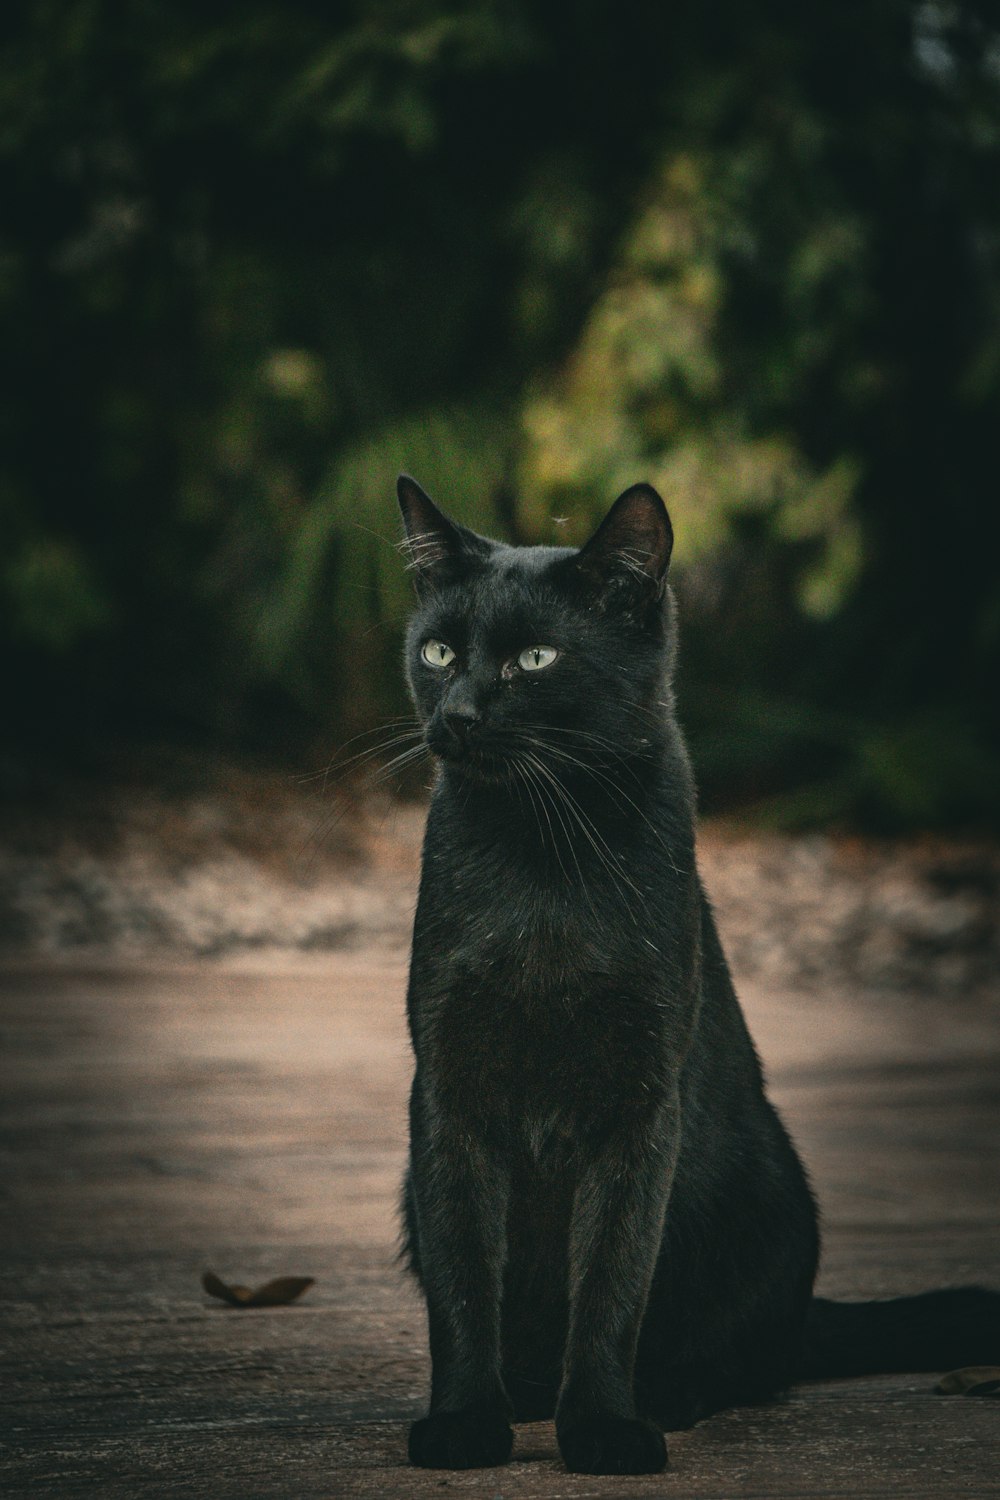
(474, 758)
(480, 765)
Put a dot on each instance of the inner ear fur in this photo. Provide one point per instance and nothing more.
(629, 553)
(437, 549)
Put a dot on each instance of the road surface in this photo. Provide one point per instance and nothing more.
(249, 1117)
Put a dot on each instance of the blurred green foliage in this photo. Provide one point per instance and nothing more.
(254, 260)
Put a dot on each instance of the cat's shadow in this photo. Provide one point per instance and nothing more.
(535, 1443)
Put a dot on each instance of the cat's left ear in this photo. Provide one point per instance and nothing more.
(439, 550)
(628, 555)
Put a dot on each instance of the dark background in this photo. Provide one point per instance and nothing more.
(256, 258)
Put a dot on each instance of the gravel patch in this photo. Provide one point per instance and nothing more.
(258, 863)
(913, 915)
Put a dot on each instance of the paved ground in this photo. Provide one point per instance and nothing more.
(250, 1118)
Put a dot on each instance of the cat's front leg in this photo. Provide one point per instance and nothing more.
(615, 1235)
(460, 1196)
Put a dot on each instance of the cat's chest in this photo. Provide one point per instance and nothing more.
(551, 1060)
(526, 934)
(549, 963)
(543, 1006)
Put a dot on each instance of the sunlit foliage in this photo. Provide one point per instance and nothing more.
(253, 261)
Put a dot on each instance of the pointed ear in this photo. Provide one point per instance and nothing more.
(627, 557)
(437, 550)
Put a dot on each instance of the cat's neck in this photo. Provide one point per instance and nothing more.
(570, 871)
(576, 809)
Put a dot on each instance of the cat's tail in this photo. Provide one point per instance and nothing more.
(934, 1331)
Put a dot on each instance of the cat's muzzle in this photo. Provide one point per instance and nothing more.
(459, 740)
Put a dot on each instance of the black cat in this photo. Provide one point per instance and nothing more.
(607, 1218)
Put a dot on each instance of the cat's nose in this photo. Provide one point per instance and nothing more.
(461, 718)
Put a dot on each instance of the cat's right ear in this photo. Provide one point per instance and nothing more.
(436, 549)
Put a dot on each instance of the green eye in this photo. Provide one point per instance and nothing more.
(437, 654)
(537, 657)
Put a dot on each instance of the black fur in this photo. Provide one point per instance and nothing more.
(607, 1218)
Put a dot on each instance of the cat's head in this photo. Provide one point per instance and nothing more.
(555, 653)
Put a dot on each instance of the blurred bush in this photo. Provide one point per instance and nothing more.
(255, 260)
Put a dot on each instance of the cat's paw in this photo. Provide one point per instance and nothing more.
(461, 1440)
(613, 1445)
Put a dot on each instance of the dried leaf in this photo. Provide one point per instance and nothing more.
(974, 1380)
(275, 1293)
(284, 1289)
(236, 1296)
